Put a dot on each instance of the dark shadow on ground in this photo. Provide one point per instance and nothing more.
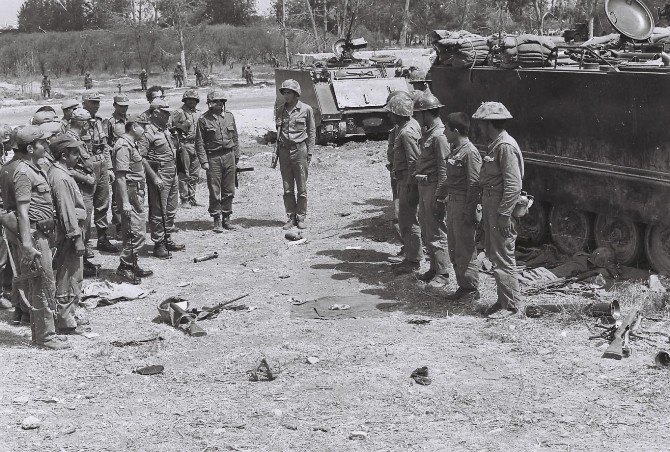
(10, 338)
(378, 228)
(191, 225)
(257, 222)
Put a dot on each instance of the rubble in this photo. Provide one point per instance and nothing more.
(30, 423)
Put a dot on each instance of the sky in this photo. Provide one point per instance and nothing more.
(9, 9)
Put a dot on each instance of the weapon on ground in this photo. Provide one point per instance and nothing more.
(619, 346)
(210, 313)
(241, 170)
(206, 257)
(186, 321)
(593, 309)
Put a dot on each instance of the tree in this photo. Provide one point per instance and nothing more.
(180, 14)
(234, 12)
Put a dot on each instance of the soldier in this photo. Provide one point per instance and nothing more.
(26, 192)
(6, 135)
(88, 81)
(144, 78)
(500, 179)
(6, 155)
(185, 119)
(115, 127)
(46, 87)
(405, 154)
(42, 116)
(160, 154)
(460, 193)
(198, 76)
(431, 171)
(131, 187)
(218, 152)
(178, 76)
(68, 106)
(101, 163)
(153, 93)
(70, 217)
(249, 75)
(296, 136)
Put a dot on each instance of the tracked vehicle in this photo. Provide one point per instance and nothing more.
(595, 137)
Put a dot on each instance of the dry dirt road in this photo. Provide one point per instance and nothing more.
(518, 384)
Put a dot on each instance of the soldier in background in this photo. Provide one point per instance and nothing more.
(69, 240)
(160, 154)
(178, 76)
(199, 76)
(500, 179)
(296, 136)
(88, 81)
(218, 151)
(431, 171)
(115, 127)
(184, 120)
(249, 75)
(101, 163)
(68, 106)
(46, 87)
(144, 79)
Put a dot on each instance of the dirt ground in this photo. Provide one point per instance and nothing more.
(517, 384)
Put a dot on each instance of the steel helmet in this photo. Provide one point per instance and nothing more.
(401, 106)
(80, 114)
(191, 94)
(5, 133)
(216, 94)
(392, 94)
(427, 101)
(417, 75)
(292, 85)
(492, 110)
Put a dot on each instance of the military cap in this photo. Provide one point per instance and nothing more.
(191, 94)
(216, 94)
(51, 128)
(5, 133)
(69, 103)
(427, 101)
(25, 135)
(121, 99)
(81, 114)
(62, 142)
(292, 85)
(492, 110)
(95, 97)
(43, 116)
(138, 118)
(401, 106)
(159, 104)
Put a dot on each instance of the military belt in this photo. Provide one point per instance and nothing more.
(219, 151)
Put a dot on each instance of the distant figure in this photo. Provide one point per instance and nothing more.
(46, 87)
(144, 78)
(198, 76)
(88, 81)
(178, 76)
(249, 75)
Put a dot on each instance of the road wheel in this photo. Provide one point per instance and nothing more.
(570, 229)
(534, 227)
(657, 248)
(624, 236)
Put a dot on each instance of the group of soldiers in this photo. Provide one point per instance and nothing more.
(443, 188)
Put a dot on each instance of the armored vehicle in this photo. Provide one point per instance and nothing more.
(595, 140)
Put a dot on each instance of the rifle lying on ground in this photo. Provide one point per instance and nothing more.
(210, 313)
(186, 321)
(619, 347)
(238, 171)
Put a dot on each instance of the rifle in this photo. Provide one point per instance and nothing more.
(210, 313)
(186, 321)
(275, 157)
(241, 170)
(17, 279)
(179, 134)
(619, 346)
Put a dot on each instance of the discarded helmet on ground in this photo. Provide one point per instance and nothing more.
(191, 94)
(492, 110)
(427, 101)
(401, 106)
(291, 85)
(216, 94)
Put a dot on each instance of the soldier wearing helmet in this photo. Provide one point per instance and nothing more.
(296, 136)
(184, 120)
(500, 179)
(405, 153)
(161, 167)
(144, 78)
(115, 127)
(431, 171)
(218, 151)
(6, 134)
(459, 193)
(178, 76)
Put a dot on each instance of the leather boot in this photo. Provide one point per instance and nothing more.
(65, 313)
(104, 245)
(171, 246)
(289, 223)
(218, 227)
(226, 224)
(141, 272)
(126, 272)
(90, 269)
(44, 332)
(160, 251)
(300, 222)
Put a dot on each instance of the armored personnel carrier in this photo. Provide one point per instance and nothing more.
(347, 93)
(594, 134)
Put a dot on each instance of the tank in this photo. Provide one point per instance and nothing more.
(596, 146)
(348, 94)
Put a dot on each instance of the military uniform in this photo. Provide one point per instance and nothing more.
(144, 78)
(431, 163)
(186, 120)
(115, 127)
(216, 145)
(178, 75)
(101, 163)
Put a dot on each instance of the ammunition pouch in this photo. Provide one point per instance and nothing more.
(522, 205)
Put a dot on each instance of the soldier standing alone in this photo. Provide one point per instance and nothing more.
(144, 79)
(46, 87)
(178, 76)
(218, 152)
(185, 120)
(296, 136)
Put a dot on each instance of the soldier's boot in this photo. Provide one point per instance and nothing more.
(300, 222)
(90, 269)
(171, 246)
(127, 272)
(141, 272)
(88, 253)
(226, 224)
(160, 251)
(65, 310)
(290, 222)
(104, 244)
(218, 226)
(44, 332)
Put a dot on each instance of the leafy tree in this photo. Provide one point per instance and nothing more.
(234, 12)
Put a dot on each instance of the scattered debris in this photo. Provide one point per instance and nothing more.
(344, 214)
(420, 375)
(30, 423)
(174, 311)
(359, 434)
(136, 342)
(418, 321)
(21, 400)
(594, 309)
(290, 426)
(297, 302)
(321, 429)
(662, 359)
(149, 370)
(184, 284)
(655, 284)
(298, 242)
(284, 276)
(261, 373)
(361, 305)
(213, 312)
(206, 257)
(620, 345)
(339, 307)
(89, 335)
(312, 360)
(105, 293)
(68, 430)
(293, 236)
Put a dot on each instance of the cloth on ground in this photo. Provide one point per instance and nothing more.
(105, 293)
